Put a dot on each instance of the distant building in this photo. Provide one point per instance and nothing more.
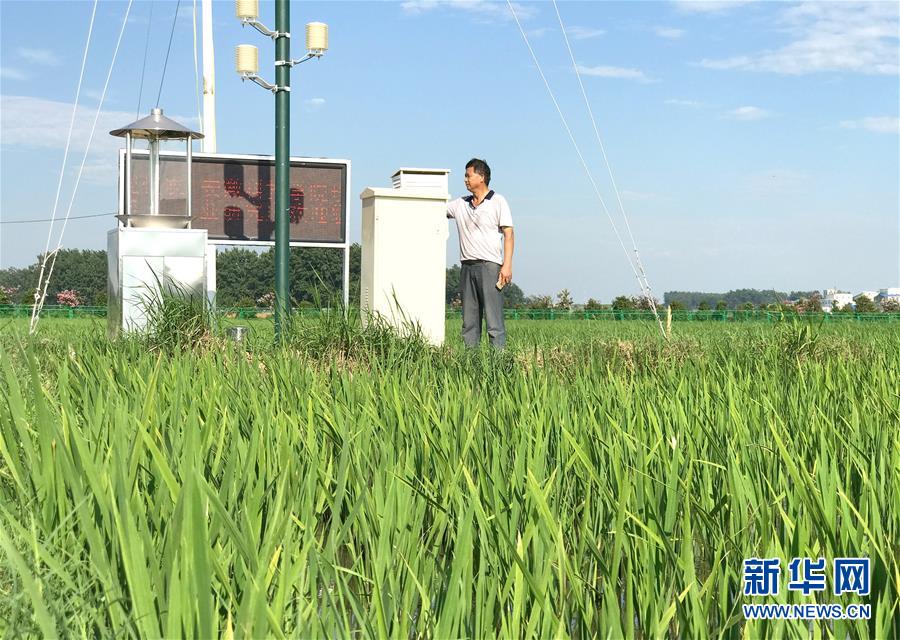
(836, 299)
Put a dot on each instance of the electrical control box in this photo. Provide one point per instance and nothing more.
(141, 260)
(404, 255)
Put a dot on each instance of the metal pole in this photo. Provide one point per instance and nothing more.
(189, 185)
(208, 144)
(346, 291)
(154, 176)
(128, 146)
(282, 166)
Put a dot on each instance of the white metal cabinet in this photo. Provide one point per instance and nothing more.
(404, 258)
(140, 259)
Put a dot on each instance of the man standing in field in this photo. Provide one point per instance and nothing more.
(486, 243)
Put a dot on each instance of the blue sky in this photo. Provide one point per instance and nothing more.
(755, 144)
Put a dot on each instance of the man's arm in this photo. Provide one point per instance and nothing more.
(508, 245)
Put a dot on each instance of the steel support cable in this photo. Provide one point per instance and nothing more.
(62, 170)
(35, 313)
(168, 50)
(645, 284)
(572, 138)
(31, 221)
(144, 66)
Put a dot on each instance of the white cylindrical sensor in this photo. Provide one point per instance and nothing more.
(248, 9)
(316, 37)
(246, 58)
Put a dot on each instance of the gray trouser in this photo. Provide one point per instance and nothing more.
(480, 297)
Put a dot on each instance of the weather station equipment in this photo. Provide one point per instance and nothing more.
(247, 67)
(154, 244)
(404, 252)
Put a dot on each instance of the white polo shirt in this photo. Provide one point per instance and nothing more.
(480, 237)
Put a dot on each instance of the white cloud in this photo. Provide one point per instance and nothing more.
(708, 6)
(30, 122)
(12, 74)
(483, 10)
(637, 195)
(36, 122)
(540, 32)
(694, 104)
(748, 113)
(314, 104)
(93, 94)
(104, 170)
(880, 124)
(736, 62)
(856, 37)
(668, 32)
(584, 33)
(778, 182)
(38, 56)
(186, 11)
(603, 71)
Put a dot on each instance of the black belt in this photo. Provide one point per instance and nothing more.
(475, 261)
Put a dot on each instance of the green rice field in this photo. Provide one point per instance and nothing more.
(590, 481)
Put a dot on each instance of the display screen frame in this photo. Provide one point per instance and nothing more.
(249, 161)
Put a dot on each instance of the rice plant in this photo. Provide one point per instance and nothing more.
(590, 481)
(177, 317)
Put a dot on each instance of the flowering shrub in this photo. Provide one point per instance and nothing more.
(266, 300)
(68, 298)
(7, 294)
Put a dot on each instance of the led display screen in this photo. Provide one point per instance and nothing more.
(233, 198)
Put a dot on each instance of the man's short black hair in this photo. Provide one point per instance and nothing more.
(481, 168)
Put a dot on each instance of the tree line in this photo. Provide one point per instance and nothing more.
(734, 299)
(78, 270)
(245, 278)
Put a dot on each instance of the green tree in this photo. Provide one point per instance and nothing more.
(622, 303)
(592, 305)
(513, 296)
(890, 305)
(703, 306)
(81, 270)
(564, 300)
(27, 296)
(84, 271)
(242, 275)
(721, 305)
(316, 274)
(812, 304)
(19, 279)
(677, 305)
(692, 299)
(644, 303)
(355, 272)
(452, 285)
(538, 302)
(865, 304)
